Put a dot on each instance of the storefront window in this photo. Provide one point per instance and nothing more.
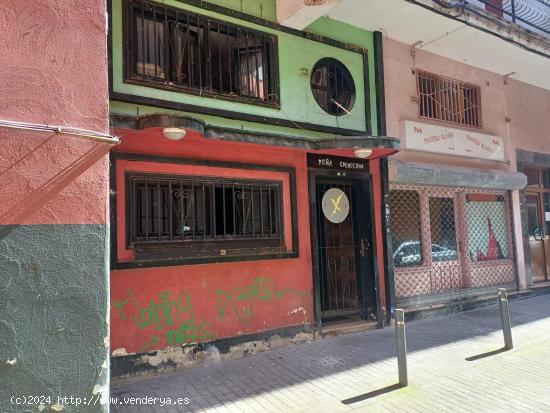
(487, 227)
(405, 225)
(443, 230)
(532, 176)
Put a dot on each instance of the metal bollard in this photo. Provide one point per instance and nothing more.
(505, 318)
(401, 347)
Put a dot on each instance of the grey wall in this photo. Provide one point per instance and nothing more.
(53, 314)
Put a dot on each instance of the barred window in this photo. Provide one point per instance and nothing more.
(448, 100)
(174, 48)
(203, 212)
(405, 227)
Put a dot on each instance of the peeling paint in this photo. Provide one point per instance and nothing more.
(11, 362)
(41, 407)
(296, 310)
(188, 356)
(120, 352)
(57, 407)
(98, 389)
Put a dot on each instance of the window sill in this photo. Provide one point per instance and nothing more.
(136, 80)
(141, 262)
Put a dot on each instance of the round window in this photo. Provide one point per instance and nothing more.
(332, 86)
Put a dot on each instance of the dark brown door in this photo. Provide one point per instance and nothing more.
(342, 246)
(539, 246)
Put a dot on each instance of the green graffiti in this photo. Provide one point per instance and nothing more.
(241, 300)
(160, 314)
(189, 331)
(168, 310)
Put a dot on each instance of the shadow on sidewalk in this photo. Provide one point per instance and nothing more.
(372, 394)
(302, 363)
(488, 354)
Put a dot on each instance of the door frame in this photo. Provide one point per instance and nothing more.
(314, 174)
(539, 190)
(544, 235)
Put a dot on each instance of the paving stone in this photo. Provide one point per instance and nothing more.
(317, 376)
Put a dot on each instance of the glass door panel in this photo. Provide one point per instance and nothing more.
(537, 244)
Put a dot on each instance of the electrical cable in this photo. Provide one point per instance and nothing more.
(61, 130)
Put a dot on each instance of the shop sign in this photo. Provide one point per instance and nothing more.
(449, 141)
(340, 163)
(335, 205)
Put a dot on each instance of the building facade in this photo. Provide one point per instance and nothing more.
(283, 167)
(246, 193)
(278, 208)
(467, 94)
(54, 231)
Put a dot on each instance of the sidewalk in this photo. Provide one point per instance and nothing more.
(317, 376)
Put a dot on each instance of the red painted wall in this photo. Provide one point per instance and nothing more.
(155, 307)
(152, 308)
(45, 77)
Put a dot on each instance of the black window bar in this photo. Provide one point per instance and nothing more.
(174, 48)
(533, 15)
(171, 209)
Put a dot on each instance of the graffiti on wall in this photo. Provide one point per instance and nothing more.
(169, 313)
(241, 301)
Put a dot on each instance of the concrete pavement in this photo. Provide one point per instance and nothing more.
(318, 376)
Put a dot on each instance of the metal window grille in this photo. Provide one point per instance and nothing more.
(448, 100)
(531, 14)
(172, 209)
(450, 239)
(174, 48)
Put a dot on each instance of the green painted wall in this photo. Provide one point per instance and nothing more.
(346, 33)
(131, 109)
(264, 9)
(53, 328)
(296, 58)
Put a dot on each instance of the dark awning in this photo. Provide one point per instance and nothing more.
(238, 135)
(442, 175)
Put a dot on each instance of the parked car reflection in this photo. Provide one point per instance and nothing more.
(409, 254)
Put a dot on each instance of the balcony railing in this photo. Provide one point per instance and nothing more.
(534, 15)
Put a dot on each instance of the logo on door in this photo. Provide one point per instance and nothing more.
(335, 205)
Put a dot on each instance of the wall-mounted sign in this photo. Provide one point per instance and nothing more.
(340, 163)
(335, 205)
(449, 141)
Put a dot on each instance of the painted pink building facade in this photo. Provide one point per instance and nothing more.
(467, 92)
(513, 112)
